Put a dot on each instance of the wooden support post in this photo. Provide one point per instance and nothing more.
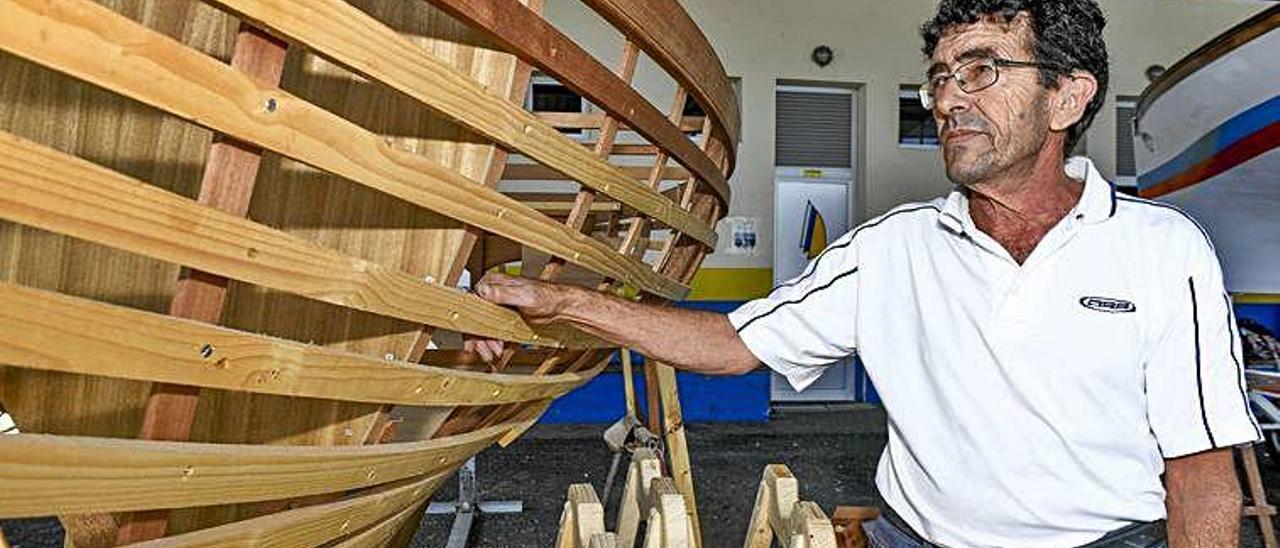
(677, 445)
(628, 382)
(652, 395)
(227, 185)
(1258, 495)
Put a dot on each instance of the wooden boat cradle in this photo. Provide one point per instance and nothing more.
(228, 275)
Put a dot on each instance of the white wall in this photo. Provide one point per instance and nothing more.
(877, 46)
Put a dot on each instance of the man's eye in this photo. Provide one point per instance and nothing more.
(936, 81)
(980, 70)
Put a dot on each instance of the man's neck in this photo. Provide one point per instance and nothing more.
(1021, 204)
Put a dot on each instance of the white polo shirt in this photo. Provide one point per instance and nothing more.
(1029, 405)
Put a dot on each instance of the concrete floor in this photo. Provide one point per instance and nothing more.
(832, 452)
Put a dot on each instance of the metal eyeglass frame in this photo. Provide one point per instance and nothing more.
(996, 63)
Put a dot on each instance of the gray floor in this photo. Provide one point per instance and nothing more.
(832, 452)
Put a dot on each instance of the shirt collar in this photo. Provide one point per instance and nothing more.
(1097, 202)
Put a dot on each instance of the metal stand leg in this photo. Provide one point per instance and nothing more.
(467, 505)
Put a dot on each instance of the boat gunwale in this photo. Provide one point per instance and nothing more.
(1259, 24)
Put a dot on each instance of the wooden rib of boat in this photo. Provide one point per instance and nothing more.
(1207, 139)
(231, 233)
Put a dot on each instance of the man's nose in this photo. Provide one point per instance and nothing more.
(949, 99)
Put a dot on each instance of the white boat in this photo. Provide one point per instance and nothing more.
(1207, 139)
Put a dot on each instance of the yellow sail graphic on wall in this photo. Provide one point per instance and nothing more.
(814, 237)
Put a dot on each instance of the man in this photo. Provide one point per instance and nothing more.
(1046, 349)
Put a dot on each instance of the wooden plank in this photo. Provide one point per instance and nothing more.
(535, 172)
(379, 536)
(227, 185)
(344, 33)
(64, 194)
(46, 475)
(677, 446)
(54, 332)
(536, 41)
(595, 120)
(312, 525)
(667, 33)
(627, 149)
(563, 208)
(97, 46)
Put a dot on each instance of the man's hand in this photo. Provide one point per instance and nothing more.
(539, 302)
(692, 340)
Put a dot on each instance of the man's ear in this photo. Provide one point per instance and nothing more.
(1073, 95)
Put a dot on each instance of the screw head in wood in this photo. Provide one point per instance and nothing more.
(206, 351)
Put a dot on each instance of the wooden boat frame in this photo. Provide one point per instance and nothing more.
(188, 471)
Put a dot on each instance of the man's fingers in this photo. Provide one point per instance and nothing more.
(495, 347)
(479, 347)
(488, 349)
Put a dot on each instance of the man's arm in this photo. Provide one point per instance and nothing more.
(1203, 500)
(704, 342)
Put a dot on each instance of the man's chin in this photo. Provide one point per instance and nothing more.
(965, 174)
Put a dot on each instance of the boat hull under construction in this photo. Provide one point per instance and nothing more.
(233, 235)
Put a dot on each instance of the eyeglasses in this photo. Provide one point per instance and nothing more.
(973, 76)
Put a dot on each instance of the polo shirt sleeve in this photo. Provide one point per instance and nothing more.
(1194, 377)
(806, 323)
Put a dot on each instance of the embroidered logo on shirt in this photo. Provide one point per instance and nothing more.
(1107, 304)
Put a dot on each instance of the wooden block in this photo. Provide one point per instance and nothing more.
(672, 524)
(582, 519)
(810, 528)
(848, 520)
(603, 540)
(777, 494)
(645, 466)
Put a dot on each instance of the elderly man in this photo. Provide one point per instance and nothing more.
(1046, 349)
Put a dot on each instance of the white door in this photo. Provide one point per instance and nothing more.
(808, 213)
(813, 201)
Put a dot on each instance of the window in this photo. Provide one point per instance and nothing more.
(1126, 167)
(692, 109)
(814, 126)
(916, 127)
(548, 95)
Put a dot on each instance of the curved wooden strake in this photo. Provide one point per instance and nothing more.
(231, 233)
